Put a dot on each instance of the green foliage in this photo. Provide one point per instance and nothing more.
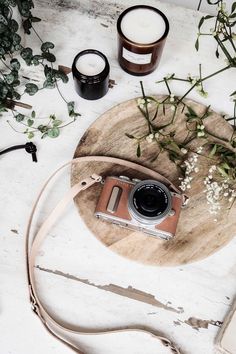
(226, 160)
(31, 89)
(71, 110)
(10, 78)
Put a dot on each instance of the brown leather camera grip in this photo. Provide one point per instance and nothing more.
(170, 223)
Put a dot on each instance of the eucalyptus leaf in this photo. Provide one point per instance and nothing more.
(9, 78)
(53, 132)
(30, 135)
(3, 20)
(15, 64)
(46, 46)
(26, 53)
(30, 122)
(43, 128)
(49, 84)
(49, 57)
(14, 25)
(19, 117)
(57, 122)
(31, 89)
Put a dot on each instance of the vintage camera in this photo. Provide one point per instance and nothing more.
(148, 206)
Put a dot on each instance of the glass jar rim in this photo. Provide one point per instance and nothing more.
(91, 79)
(120, 18)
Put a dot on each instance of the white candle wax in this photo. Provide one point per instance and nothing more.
(90, 64)
(143, 26)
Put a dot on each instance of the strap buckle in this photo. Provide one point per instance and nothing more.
(96, 177)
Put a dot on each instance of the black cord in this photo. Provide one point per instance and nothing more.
(12, 148)
(29, 147)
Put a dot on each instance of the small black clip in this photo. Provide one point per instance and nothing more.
(31, 149)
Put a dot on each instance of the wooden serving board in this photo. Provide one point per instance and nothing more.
(198, 235)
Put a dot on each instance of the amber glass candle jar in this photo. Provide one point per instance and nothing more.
(91, 70)
(142, 32)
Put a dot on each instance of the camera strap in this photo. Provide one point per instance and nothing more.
(55, 327)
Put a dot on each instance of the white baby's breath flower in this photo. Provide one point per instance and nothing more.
(172, 108)
(157, 135)
(172, 97)
(149, 138)
(190, 167)
(200, 133)
(184, 151)
(141, 102)
(217, 192)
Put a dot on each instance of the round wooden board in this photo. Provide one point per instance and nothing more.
(198, 235)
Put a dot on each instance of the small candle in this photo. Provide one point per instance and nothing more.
(142, 31)
(91, 70)
(90, 64)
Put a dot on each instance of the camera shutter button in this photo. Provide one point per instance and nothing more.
(125, 178)
(171, 212)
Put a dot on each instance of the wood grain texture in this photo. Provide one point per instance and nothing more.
(198, 235)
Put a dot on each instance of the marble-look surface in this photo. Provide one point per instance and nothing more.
(204, 6)
(76, 274)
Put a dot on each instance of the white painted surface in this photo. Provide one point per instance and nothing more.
(202, 290)
(193, 4)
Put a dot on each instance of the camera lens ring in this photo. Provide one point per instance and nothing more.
(142, 201)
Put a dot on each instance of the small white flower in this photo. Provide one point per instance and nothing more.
(200, 133)
(172, 108)
(157, 135)
(184, 151)
(199, 149)
(212, 168)
(149, 138)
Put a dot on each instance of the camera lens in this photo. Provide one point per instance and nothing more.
(149, 201)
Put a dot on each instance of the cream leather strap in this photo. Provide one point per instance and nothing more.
(33, 244)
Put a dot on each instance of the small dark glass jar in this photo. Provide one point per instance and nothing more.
(136, 55)
(90, 71)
